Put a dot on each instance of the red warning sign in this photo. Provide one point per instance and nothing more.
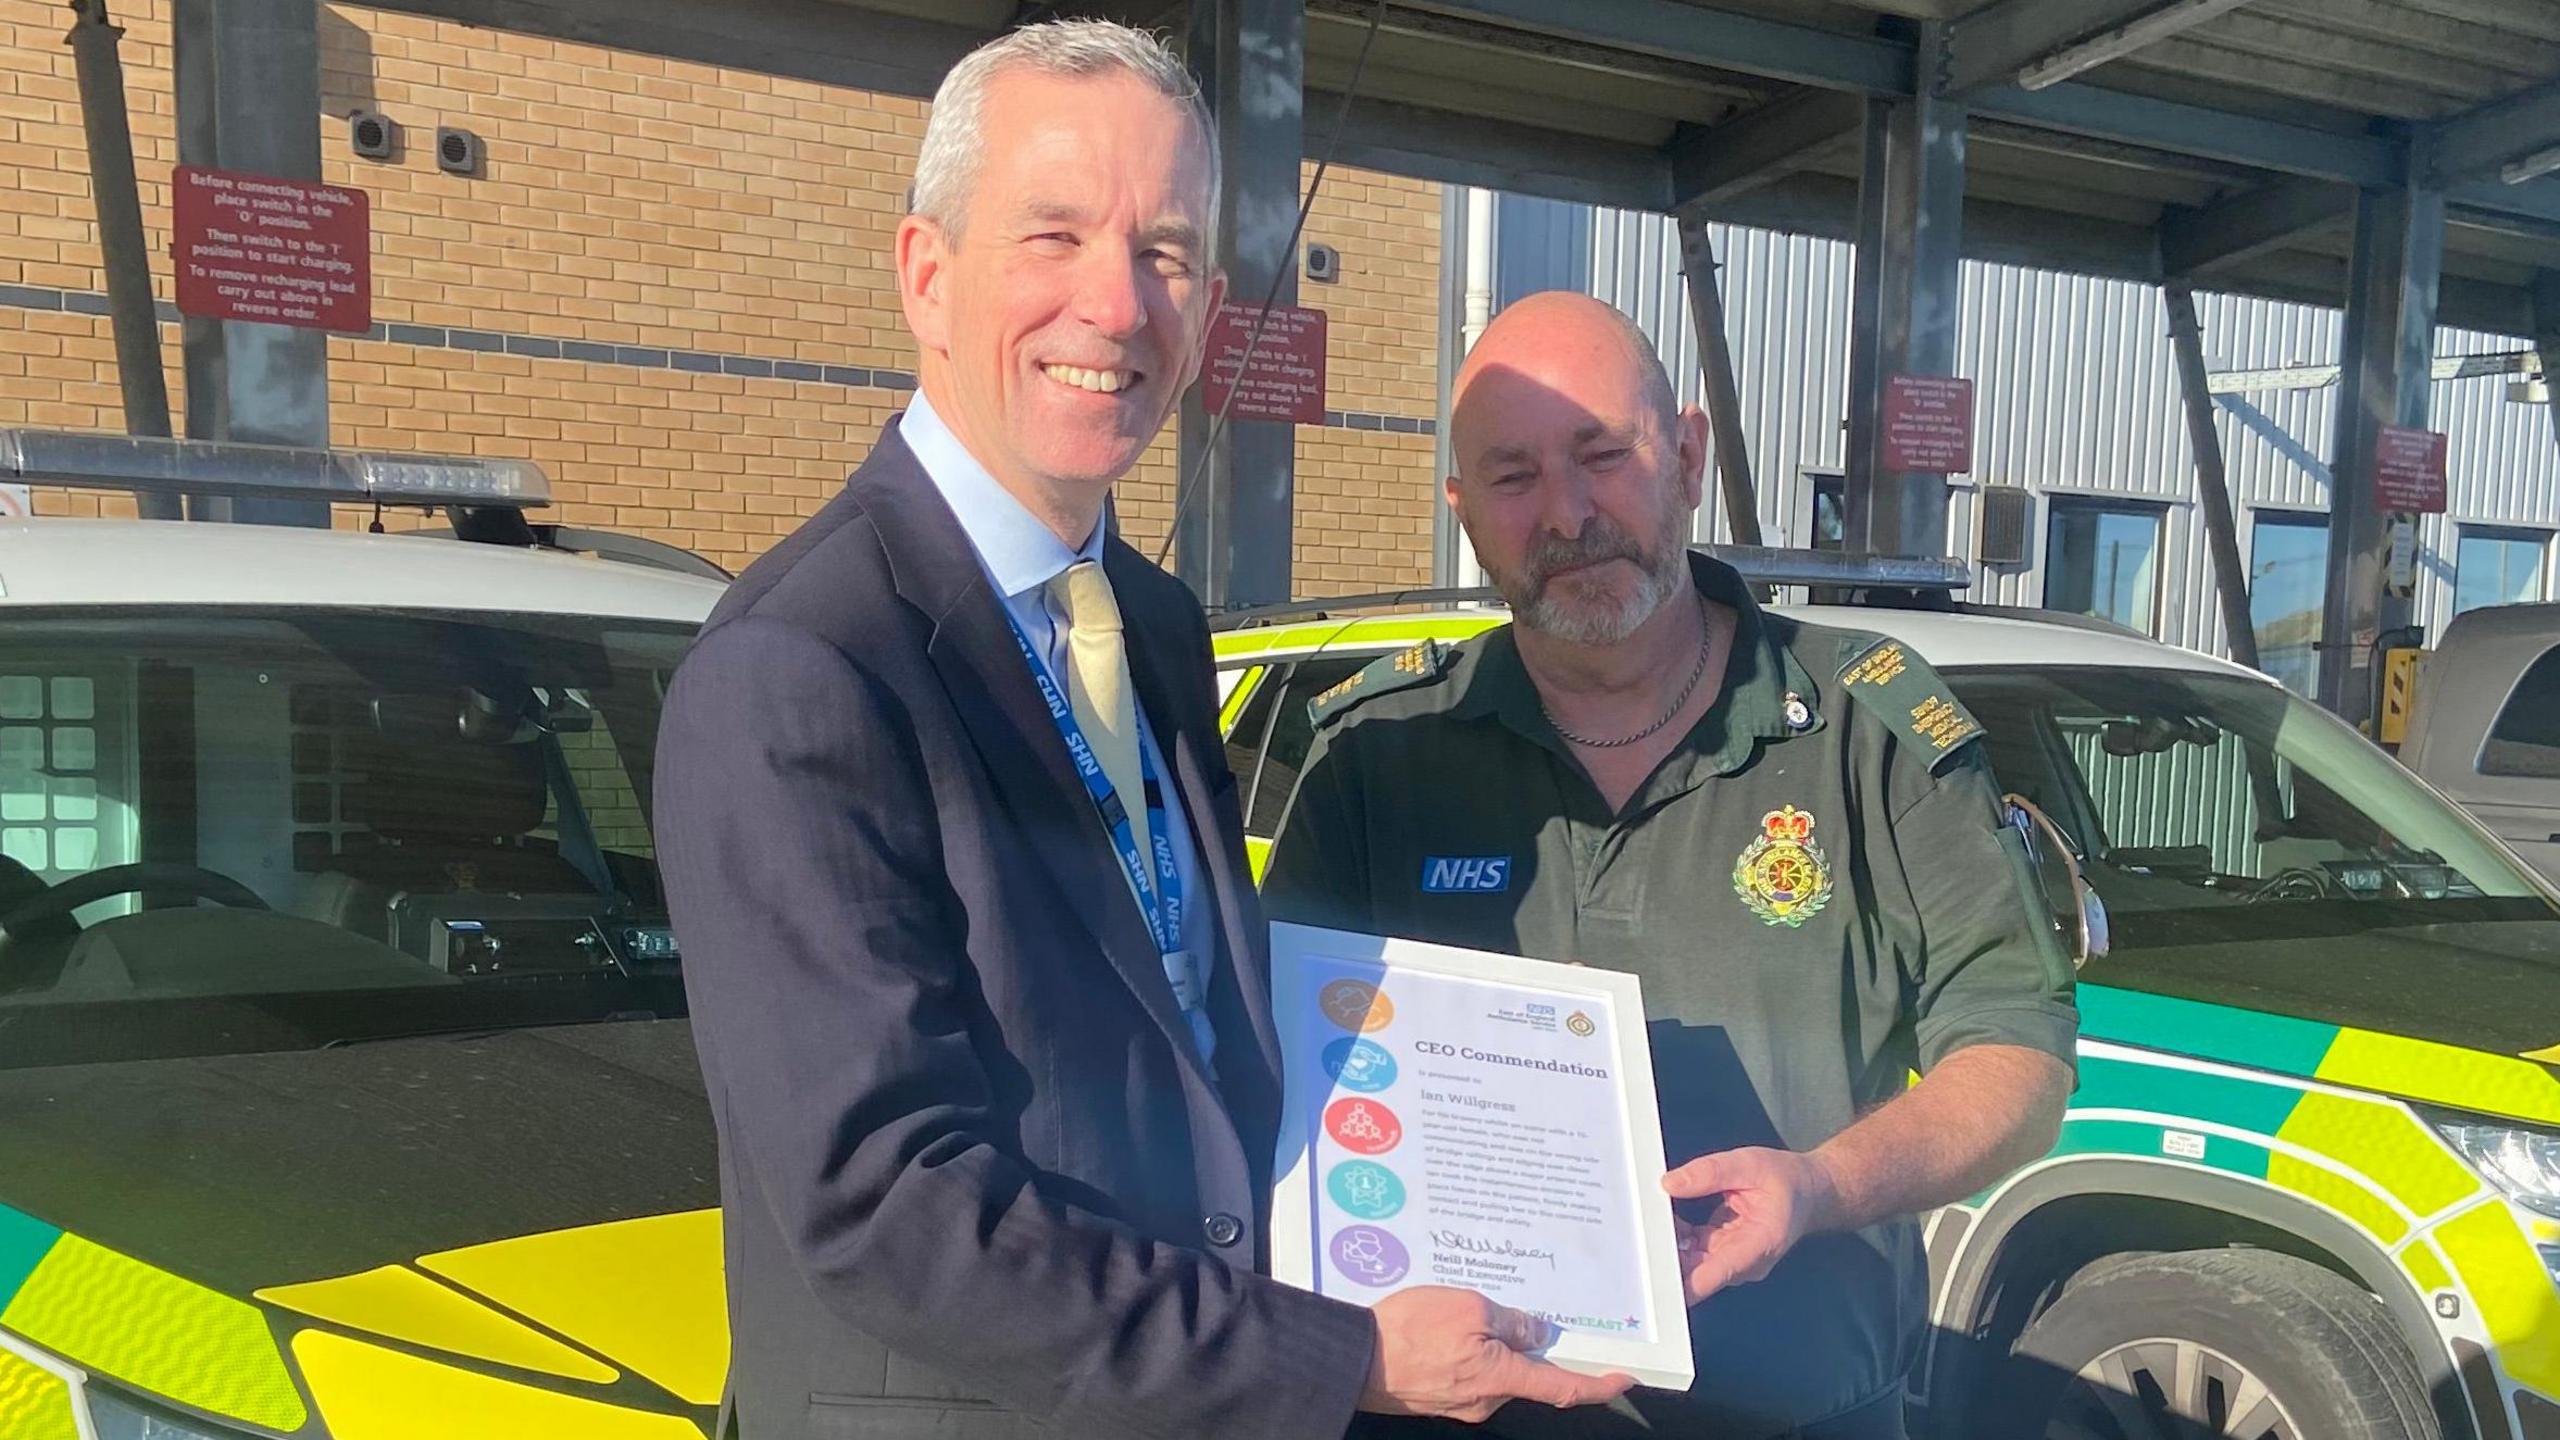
(1928, 424)
(282, 252)
(1286, 381)
(2408, 470)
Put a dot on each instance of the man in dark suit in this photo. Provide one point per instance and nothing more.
(978, 980)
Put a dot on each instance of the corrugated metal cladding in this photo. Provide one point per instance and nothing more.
(2182, 797)
(2076, 393)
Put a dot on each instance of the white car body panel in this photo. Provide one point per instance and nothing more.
(158, 562)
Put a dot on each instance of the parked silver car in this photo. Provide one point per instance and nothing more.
(2485, 726)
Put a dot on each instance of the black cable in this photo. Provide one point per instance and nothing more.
(1279, 277)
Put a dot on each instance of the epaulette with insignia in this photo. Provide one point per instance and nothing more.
(1901, 688)
(1403, 670)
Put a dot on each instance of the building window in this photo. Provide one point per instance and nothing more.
(2102, 558)
(57, 745)
(2288, 593)
(1830, 510)
(2499, 567)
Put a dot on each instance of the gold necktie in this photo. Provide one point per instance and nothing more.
(1098, 691)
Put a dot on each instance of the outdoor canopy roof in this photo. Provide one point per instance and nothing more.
(2221, 140)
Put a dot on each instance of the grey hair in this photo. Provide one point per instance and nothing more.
(955, 144)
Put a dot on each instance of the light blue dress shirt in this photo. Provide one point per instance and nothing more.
(1021, 555)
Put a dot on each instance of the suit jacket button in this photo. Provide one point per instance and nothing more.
(1222, 1229)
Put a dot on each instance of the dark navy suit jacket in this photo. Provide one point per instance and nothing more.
(976, 1179)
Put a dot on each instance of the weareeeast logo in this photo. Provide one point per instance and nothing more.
(1466, 874)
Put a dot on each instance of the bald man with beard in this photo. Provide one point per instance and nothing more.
(1786, 830)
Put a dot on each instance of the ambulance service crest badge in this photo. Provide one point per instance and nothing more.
(1782, 875)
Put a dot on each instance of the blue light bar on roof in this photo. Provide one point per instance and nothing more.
(90, 461)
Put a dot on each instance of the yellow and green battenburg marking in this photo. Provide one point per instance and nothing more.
(646, 1292)
(144, 1327)
(2397, 1161)
(398, 1302)
(368, 1392)
(2395, 1065)
(2385, 1165)
(35, 1404)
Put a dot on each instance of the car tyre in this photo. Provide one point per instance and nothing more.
(2243, 1344)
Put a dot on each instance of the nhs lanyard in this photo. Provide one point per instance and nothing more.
(1161, 900)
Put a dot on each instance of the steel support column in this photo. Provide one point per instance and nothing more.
(1234, 535)
(2230, 581)
(1866, 307)
(248, 82)
(1724, 398)
(1457, 332)
(2546, 341)
(1919, 242)
(2386, 359)
(124, 255)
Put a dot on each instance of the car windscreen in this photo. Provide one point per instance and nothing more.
(228, 830)
(2250, 849)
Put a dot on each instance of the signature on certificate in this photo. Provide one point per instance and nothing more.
(1502, 1245)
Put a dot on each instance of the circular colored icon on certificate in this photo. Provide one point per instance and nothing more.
(1356, 1064)
(1356, 1005)
(1366, 1188)
(1363, 1127)
(1370, 1255)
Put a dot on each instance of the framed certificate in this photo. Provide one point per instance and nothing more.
(1461, 1118)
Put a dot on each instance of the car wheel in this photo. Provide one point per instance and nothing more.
(2241, 1344)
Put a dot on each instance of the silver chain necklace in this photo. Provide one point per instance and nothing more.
(1706, 647)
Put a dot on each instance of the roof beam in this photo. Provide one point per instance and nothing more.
(813, 40)
(2250, 225)
(1755, 148)
(1992, 45)
(2479, 141)
(1339, 24)
(1456, 149)
(1798, 54)
(1866, 65)
(1827, 206)
(2531, 208)
(1873, 66)
(2366, 160)
(2037, 43)
(2230, 179)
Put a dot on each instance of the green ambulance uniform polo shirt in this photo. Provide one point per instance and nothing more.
(1816, 889)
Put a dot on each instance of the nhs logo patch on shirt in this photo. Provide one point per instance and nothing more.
(1466, 874)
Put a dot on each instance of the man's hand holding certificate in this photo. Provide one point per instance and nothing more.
(1479, 1121)
(1462, 1356)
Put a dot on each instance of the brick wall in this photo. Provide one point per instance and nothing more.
(637, 221)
